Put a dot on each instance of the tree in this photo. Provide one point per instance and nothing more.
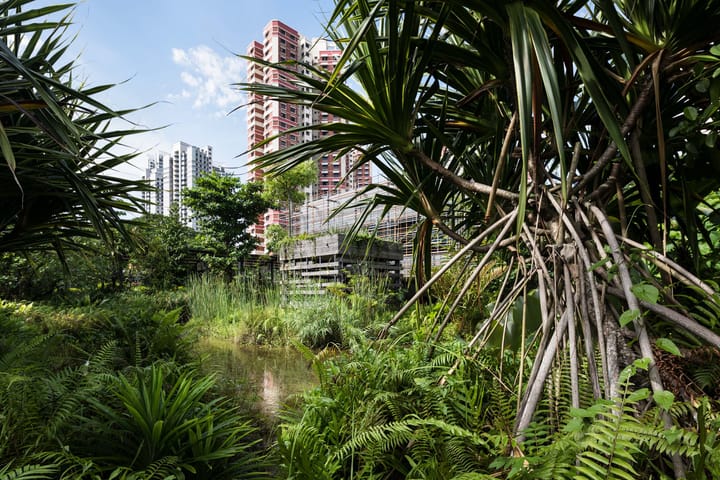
(164, 257)
(225, 209)
(57, 184)
(567, 139)
(286, 189)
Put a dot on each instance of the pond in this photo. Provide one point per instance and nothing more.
(266, 376)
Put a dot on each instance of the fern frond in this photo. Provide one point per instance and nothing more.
(391, 435)
(18, 355)
(28, 472)
(165, 467)
(473, 476)
(610, 446)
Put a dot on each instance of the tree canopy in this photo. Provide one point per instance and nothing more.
(167, 248)
(225, 208)
(288, 187)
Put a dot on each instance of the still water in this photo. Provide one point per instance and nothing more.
(266, 375)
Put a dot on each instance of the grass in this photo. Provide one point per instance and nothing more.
(240, 311)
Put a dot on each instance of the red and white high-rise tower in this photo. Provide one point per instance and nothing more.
(267, 118)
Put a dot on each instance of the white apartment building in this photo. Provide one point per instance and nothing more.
(170, 173)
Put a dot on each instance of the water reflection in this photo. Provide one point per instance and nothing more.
(270, 375)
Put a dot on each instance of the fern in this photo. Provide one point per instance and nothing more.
(28, 472)
(609, 447)
(422, 441)
(386, 414)
(606, 440)
(305, 454)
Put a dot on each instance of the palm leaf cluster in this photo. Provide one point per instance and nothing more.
(575, 141)
(59, 148)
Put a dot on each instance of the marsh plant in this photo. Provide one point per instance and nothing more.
(280, 315)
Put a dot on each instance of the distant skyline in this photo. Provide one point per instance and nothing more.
(181, 56)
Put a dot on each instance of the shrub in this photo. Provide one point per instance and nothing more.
(161, 420)
(383, 413)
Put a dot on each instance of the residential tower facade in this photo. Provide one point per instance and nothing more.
(267, 118)
(171, 172)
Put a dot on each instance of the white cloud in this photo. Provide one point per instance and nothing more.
(207, 77)
(189, 79)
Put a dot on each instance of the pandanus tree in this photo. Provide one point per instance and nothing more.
(58, 182)
(574, 139)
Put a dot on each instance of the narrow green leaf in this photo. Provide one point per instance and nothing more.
(544, 57)
(595, 81)
(6, 149)
(522, 63)
(598, 264)
(638, 395)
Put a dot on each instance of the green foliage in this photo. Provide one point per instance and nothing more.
(161, 415)
(239, 309)
(276, 237)
(320, 321)
(81, 275)
(225, 208)
(578, 118)
(58, 183)
(382, 413)
(287, 188)
(80, 401)
(164, 258)
(608, 439)
(144, 328)
(28, 472)
(266, 315)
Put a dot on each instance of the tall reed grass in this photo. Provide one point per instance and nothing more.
(280, 315)
(235, 309)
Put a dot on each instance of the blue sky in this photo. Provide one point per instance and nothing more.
(181, 56)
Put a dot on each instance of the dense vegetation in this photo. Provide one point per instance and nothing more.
(113, 390)
(573, 143)
(568, 148)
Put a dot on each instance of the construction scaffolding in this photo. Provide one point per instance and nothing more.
(313, 265)
(398, 225)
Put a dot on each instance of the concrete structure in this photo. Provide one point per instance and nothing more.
(267, 118)
(170, 173)
(397, 225)
(315, 264)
